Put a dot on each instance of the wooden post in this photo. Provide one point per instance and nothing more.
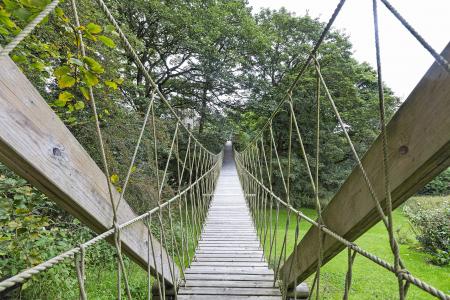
(419, 149)
(36, 144)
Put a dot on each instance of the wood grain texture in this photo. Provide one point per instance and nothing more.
(36, 144)
(229, 262)
(419, 149)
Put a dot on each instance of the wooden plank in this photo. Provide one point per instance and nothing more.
(230, 283)
(226, 297)
(228, 270)
(229, 259)
(227, 255)
(419, 149)
(230, 291)
(230, 263)
(38, 146)
(228, 248)
(239, 277)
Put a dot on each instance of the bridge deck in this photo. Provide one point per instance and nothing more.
(229, 262)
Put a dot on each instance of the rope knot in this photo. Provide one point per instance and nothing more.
(401, 273)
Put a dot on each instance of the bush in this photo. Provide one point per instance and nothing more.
(439, 186)
(34, 229)
(432, 228)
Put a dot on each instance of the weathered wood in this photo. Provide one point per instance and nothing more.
(226, 297)
(229, 262)
(228, 270)
(229, 259)
(231, 291)
(36, 144)
(419, 149)
(239, 277)
(231, 283)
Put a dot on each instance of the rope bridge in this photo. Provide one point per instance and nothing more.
(169, 260)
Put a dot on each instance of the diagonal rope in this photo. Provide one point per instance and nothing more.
(28, 29)
(404, 275)
(439, 58)
(387, 185)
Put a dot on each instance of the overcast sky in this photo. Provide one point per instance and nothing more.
(404, 59)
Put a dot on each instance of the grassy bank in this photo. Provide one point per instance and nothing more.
(371, 281)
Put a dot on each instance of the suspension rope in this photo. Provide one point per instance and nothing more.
(404, 275)
(439, 58)
(387, 185)
(28, 29)
(28, 273)
(81, 276)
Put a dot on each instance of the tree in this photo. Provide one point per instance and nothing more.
(288, 41)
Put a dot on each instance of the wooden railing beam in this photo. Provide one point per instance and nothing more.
(37, 145)
(419, 149)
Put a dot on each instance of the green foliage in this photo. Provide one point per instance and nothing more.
(353, 85)
(439, 186)
(432, 228)
(27, 228)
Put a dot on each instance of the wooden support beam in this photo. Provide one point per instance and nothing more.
(419, 149)
(36, 144)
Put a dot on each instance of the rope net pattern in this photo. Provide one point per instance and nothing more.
(200, 168)
(257, 161)
(196, 176)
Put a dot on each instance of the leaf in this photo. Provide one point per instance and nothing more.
(85, 92)
(38, 65)
(93, 28)
(60, 71)
(94, 66)
(107, 41)
(19, 58)
(111, 84)
(79, 105)
(133, 169)
(66, 81)
(90, 79)
(71, 120)
(114, 178)
(21, 211)
(3, 31)
(22, 13)
(59, 103)
(109, 28)
(119, 80)
(59, 12)
(65, 96)
(76, 61)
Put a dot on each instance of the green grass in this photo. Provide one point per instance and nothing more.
(371, 281)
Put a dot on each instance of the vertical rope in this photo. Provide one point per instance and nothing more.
(316, 190)
(105, 163)
(387, 186)
(149, 281)
(152, 247)
(348, 276)
(80, 268)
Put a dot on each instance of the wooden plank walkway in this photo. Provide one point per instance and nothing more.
(229, 262)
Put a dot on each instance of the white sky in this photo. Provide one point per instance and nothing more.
(404, 60)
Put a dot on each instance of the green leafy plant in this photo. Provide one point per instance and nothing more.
(432, 228)
(439, 185)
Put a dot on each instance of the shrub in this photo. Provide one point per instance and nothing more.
(439, 186)
(432, 228)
